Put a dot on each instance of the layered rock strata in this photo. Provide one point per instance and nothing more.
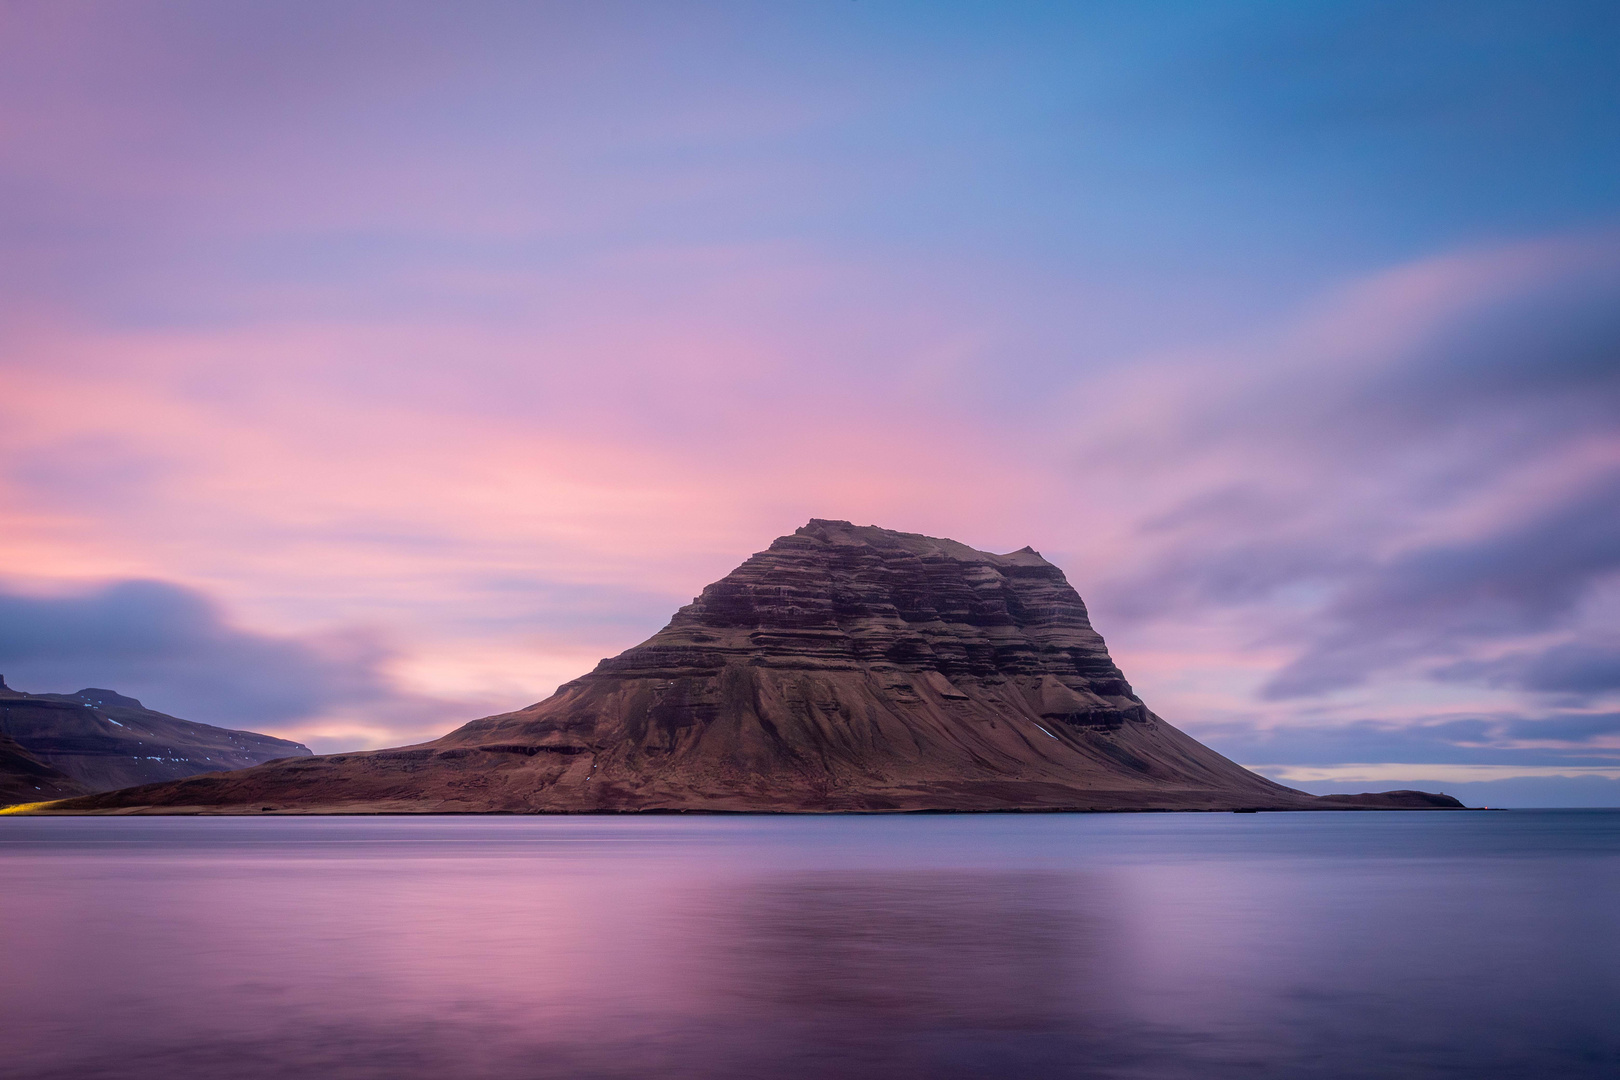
(845, 668)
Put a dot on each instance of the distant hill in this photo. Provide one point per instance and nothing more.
(847, 668)
(25, 778)
(99, 740)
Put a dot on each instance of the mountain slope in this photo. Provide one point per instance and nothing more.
(844, 668)
(103, 740)
(26, 779)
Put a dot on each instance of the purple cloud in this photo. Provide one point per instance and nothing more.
(1437, 601)
(1424, 480)
(172, 647)
(1580, 670)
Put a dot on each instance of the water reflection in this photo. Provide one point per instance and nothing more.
(906, 974)
(970, 948)
(916, 949)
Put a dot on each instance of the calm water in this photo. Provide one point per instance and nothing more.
(1172, 945)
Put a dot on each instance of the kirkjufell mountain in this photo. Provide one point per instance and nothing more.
(845, 668)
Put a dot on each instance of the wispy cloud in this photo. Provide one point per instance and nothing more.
(435, 357)
(1418, 481)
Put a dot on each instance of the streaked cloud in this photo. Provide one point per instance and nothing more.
(431, 358)
(1418, 482)
(173, 647)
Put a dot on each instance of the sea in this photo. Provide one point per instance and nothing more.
(1302, 945)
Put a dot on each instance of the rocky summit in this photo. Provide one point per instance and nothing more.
(844, 668)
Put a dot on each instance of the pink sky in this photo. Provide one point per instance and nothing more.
(453, 358)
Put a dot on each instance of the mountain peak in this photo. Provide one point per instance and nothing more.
(843, 533)
(96, 695)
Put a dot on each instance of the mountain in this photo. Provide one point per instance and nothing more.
(101, 740)
(844, 668)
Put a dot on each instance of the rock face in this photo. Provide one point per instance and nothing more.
(843, 669)
(100, 740)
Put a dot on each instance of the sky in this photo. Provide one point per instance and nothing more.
(367, 367)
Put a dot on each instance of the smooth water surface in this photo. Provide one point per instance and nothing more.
(1151, 945)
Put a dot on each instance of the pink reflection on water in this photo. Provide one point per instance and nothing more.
(1054, 946)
